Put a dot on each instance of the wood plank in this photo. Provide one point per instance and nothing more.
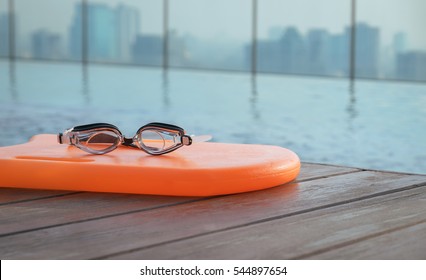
(31, 215)
(83, 206)
(310, 171)
(316, 235)
(407, 243)
(12, 195)
(103, 237)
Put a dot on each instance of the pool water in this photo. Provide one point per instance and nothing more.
(368, 124)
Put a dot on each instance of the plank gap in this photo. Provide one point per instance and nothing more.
(39, 198)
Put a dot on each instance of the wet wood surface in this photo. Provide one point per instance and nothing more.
(329, 212)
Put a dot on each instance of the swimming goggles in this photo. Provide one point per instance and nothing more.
(154, 138)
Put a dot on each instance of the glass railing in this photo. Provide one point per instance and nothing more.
(337, 38)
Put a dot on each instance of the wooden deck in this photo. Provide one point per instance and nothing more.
(331, 212)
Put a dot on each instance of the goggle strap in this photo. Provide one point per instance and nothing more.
(94, 126)
(188, 140)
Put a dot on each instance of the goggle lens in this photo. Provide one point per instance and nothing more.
(101, 142)
(157, 141)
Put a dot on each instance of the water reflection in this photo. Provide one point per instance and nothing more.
(12, 80)
(85, 89)
(254, 99)
(165, 87)
(351, 108)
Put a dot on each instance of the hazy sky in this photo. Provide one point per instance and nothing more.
(231, 19)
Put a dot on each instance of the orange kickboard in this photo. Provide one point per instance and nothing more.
(202, 169)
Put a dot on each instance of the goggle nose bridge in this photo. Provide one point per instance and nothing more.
(127, 141)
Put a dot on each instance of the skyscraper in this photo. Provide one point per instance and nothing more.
(111, 32)
(128, 23)
(293, 49)
(339, 63)
(319, 51)
(148, 50)
(367, 50)
(269, 56)
(45, 45)
(102, 32)
(75, 34)
(411, 66)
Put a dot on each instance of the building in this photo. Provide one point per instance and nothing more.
(319, 52)
(269, 56)
(45, 45)
(75, 34)
(148, 50)
(411, 66)
(102, 31)
(294, 52)
(110, 32)
(128, 23)
(339, 61)
(367, 51)
(285, 54)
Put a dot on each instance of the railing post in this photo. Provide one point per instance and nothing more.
(352, 47)
(12, 45)
(254, 38)
(84, 32)
(165, 34)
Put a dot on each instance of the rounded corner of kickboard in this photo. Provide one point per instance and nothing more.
(215, 169)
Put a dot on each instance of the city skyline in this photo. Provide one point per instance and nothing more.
(235, 15)
(115, 35)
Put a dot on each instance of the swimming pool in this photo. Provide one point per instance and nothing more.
(370, 124)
